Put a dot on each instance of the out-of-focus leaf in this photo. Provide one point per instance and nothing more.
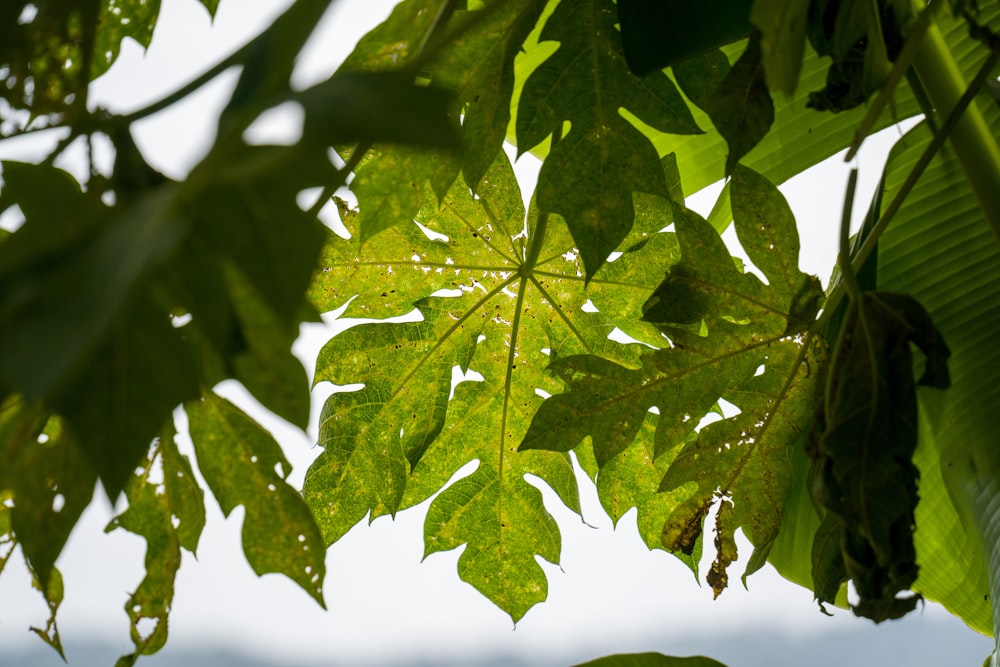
(211, 5)
(741, 107)
(243, 465)
(275, 377)
(7, 538)
(357, 107)
(47, 482)
(650, 660)
(52, 591)
(118, 20)
(168, 514)
(659, 34)
(586, 82)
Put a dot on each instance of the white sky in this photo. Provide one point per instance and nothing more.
(610, 593)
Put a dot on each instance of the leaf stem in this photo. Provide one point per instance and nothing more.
(844, 258)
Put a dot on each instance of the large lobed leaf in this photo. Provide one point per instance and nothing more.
(507, 321)
(733, 338)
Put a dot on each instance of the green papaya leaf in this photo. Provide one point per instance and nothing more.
(587, 83)
(168, 514)
(47, 481)
(478, 64)
(134, 19)
(650, 660)
(509, 316)
(52, 591)
(733, 338)
(243, 465)
(741, 107)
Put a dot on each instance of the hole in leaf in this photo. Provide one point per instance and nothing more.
(279, 470)
(42, 438)
(58, 502)
(146, 626)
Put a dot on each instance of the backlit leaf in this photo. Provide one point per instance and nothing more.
(747, 357)
(47, 482)
(168, 514)
(587, 83)
(506, 321)
(243, 465)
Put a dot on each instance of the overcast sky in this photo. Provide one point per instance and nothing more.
(610, 593)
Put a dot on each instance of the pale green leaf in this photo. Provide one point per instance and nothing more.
(243, 465)
(169, 514)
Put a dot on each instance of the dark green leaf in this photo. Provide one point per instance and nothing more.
(587, 83)
(364, 107)
(701, 75)
(864, 442)
(47, 479)
(243, 465)
(119, 401)
(741, 107)
(782, 24)
(659, 34)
